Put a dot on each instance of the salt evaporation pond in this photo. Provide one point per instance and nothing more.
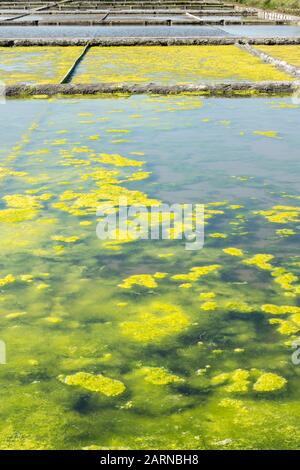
(148, 31)
(122, 64)
(110, 31)
(194, 347)
(267, 31)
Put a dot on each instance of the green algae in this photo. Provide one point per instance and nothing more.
(205, 367)
(269, 383)
(172, 65)
(160, 321)
(159, 376)
(243, 381)
(95, 383)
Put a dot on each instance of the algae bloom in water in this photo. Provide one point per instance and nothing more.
(150, 346)
(159, 376)
(269, 383)
(96, 383)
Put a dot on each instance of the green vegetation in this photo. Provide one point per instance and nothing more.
(283, 5)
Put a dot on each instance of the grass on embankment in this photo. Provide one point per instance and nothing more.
(282, 5)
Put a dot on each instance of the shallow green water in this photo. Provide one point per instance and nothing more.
(63, 311)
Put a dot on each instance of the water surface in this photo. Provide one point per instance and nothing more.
(109, 31)
(186, 348)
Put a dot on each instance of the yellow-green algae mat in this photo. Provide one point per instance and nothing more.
(134, 64)
(173, 65)
(36, 64)
(290, 54)
(142, 344)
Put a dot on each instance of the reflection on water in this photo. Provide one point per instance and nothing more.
(111, 31)
(153, 31)
(264, 30)
(194, 348)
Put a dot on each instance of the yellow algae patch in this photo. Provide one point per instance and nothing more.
(285, 232)
(54, 320)
(280, 309)
(60, 142)
(217, 203)
(165, 255)
(85, 114)
(290, 54)
(173, 64)
(95, 383)
(296, 318)
(15, 315)
(233, 251)
(285, 279)
(243, 381)
(286, 327)
(281, 214)
(220, 379)
(22, 201)
(261, 261)
(158, 321)
(144, 280)
(60, 238)
(208, 306)
(269, 382)
(139, 176)
(159, 376)
(36, 64)
(120, 141)
(58, 248)
(218, 235)
(238, 381)
(86, 203)
(209, 213)
(26, 278)
(42, 286)
(196, 273)
(21, 207)
(5, 172)
(235, 207)
(207, 295)
(270, 134)
(118, 160)
(103, 175)
(239, 306)
(9, 279)
(160, 275)
(85, 223)
(94, 137)
(185, 285)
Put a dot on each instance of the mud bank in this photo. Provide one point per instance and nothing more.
(147, 41)
(223, 89)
